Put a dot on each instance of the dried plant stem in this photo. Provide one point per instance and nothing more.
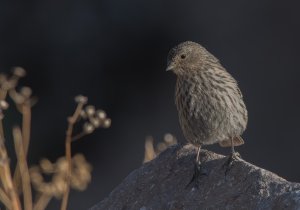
(42, 202)
(26, 126)
(71, 121)
(67, 190)
(23, 168)
(7, 179)
(78, 136)
(5, 199)
(3, 94)
(1, 129)
(149, 150)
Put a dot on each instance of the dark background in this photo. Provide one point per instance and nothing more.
(115, 53)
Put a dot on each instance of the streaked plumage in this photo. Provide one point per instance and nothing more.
(209, 103)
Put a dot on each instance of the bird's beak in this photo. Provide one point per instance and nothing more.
(170, 67)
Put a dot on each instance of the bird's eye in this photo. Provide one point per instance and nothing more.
(183, 56)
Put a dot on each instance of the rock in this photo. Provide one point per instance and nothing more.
(163, 183)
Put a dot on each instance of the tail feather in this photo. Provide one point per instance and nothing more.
(237, 141)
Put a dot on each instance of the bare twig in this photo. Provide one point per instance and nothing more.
(3, 106)
(5, 199)
(42, 201)
(79, 136)
(3, 94)
(71, 121)
(26, 126)
(23, 168)
(6, 177)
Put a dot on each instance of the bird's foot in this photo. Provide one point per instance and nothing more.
(229, 163)
(199, 172)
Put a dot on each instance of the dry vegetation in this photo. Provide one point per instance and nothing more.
(67, 172)
(152, 151)
(25, 186)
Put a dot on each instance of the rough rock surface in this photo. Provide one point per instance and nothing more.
(163, 184)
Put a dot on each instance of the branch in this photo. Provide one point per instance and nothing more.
(71, 122)
(6, 177)
(23, 168)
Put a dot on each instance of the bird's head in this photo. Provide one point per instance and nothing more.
(186, 57)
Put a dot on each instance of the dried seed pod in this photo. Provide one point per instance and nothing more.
(62, 165)
(81, 99)
(35, 175)
(81, 175)
(75, 183)
(169, 139)
(19, 72)
(88, 128)
(26, 92)
(18, 99)
(9, 84)
(83, 115)
(90, 110)
(107, 123)
(96, 122)
(3, 105)
(46, 166)
(79, 158)
(161, 147)
(3, 78)
(101, 114)
(59, 184)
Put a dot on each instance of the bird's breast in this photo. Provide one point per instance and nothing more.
(199, 108)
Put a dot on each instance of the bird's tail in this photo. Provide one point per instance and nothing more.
(237, 141)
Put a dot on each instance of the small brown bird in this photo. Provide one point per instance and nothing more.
(209, 103)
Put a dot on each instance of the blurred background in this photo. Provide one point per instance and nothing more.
(115, 53)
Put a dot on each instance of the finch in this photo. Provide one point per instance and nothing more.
(209, 102)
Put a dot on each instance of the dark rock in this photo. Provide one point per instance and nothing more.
(163, 184)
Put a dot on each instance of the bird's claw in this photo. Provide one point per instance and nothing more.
(229, 163)
(199, 172)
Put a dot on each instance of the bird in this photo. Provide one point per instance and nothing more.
(210, 105)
